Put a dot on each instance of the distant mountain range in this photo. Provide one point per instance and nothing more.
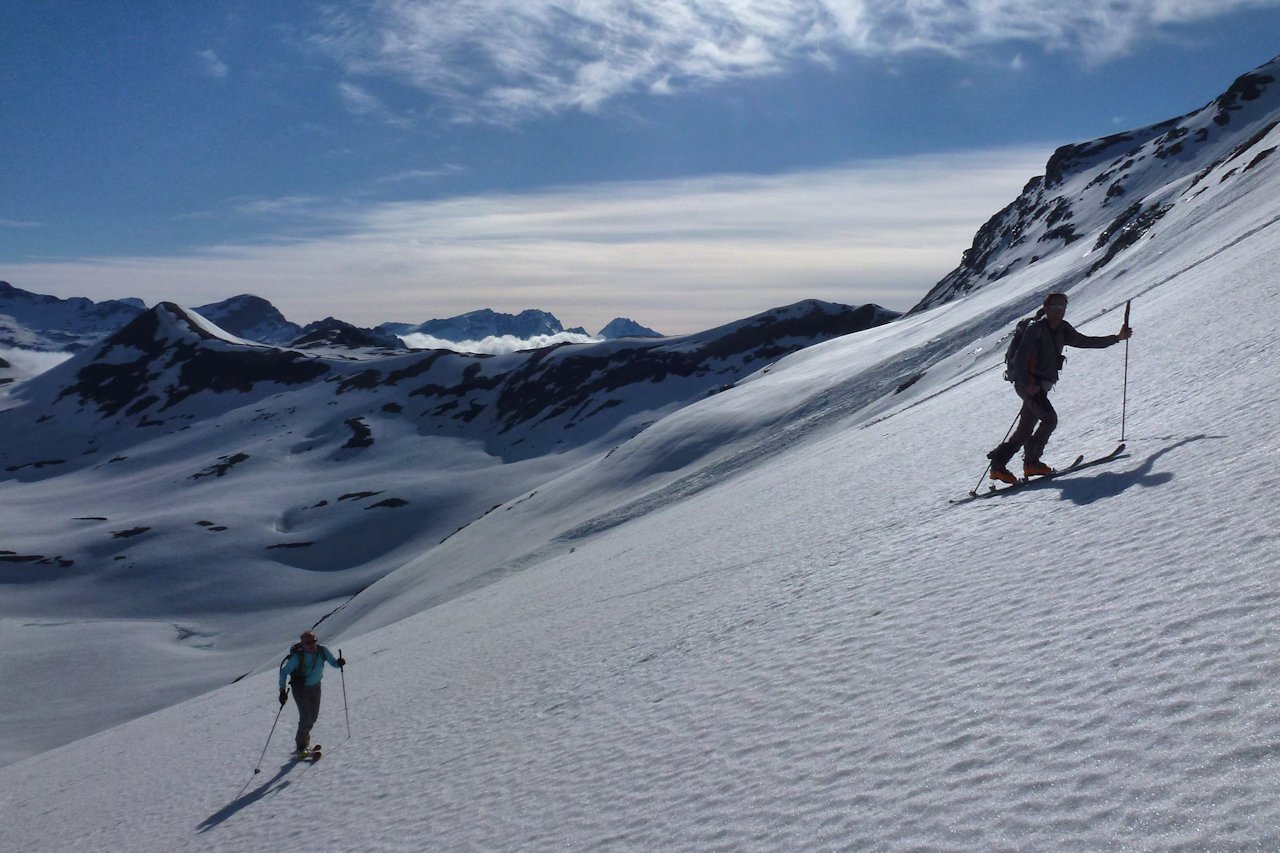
(49, 324)
(478, 325)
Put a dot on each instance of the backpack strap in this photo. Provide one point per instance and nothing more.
(298, 674)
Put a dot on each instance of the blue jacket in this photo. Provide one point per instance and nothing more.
(310, 664)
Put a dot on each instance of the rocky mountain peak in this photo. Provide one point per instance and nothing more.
(251, 317)
(625, 327)
(1112, 190)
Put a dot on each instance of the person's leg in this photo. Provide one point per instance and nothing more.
(308, 699)
(1026, 426)
(303, 735)
(1048, 423)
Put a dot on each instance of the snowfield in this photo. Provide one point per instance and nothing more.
(758, 624)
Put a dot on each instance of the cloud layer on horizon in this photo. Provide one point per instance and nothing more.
(497, 344)
(505, 60)
(680, 255)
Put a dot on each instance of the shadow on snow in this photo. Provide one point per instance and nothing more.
(1083, 491)
(273, 785)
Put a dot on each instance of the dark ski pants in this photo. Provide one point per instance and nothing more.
(1036, 423)
(308, 699)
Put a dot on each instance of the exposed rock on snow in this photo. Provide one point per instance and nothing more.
(164, 357)
(332, 332)
(1149, 169)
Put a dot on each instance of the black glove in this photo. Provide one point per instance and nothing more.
(342, 662)
(284, 695)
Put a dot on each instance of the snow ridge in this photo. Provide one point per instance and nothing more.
(1113, 191)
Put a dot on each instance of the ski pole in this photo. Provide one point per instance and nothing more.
(1124, 403)
(343, 670)
(258, 769)
(983, 476)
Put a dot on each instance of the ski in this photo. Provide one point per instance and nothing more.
(315, 753)
(1076, 465)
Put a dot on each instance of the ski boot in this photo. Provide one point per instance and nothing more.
(1003, 474)
(1036, 469)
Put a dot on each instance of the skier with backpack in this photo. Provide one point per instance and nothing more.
(304, 669)
(1032, 362)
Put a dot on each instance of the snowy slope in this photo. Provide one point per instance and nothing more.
(757, 624)
(178, 484)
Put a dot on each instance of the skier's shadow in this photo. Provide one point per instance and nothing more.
(273, 785)
(1083, 491)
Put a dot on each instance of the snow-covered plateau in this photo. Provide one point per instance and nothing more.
(743, 620)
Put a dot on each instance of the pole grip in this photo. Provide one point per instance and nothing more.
(1126, 314)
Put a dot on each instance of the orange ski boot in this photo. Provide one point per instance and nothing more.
(1002, 474)
(1036, 469)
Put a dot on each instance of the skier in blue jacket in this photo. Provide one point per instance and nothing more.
(304, 667)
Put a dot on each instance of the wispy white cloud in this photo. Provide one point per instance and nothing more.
(361, 101)
(423, 175)
(678, 255)
(505, 59)
(21, 223)
(212, 64)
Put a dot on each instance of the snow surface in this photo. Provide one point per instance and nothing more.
(758, 624)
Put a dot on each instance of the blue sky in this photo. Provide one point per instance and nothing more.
(683, 163)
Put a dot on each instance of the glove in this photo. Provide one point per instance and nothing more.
(342, 662)
(284, 695)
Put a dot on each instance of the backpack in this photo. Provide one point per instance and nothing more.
(1019, 332)
(298, 675)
